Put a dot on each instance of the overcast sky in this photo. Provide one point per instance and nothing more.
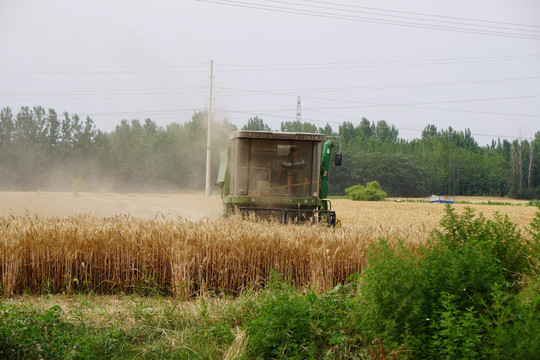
(465, 64)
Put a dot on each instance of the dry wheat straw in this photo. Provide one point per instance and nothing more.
(183, 258)
(177, 257)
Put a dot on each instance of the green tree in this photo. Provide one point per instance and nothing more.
(327, 130)
(348, 132)
(430, 131)
(398, 173)
(385, 132)
(256, 123)
(53, 129)
(365, 129)
(66, 133)
(298, 126)
(6, 126)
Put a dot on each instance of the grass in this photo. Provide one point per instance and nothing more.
(119, 327)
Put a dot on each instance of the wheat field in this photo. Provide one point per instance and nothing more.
(48, 245)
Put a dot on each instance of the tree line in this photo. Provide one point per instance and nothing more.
(442, 161)
(43, 150)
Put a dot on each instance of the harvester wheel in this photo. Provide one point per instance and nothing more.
(332, 219)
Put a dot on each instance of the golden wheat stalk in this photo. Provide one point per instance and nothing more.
(182, 258)
(176, 257)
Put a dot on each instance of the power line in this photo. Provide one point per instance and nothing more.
(140, 113)
(363, 104)
(359, 105)
(355, 9)
(203, 65)
(289, 92)
(111, 98)
(103, 66)
(372, 64)
(313, 120)
(189, 90)
(417, 106)
(179, 68)
(423, 14)
(427, 102)
(69, 71)
(517, 33)
(107, 91)
(99, 68)
(348, 17)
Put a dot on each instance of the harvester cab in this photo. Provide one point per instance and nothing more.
(282, 176)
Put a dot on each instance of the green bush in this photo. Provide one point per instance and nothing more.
(390, 299)
(28, 333)
(497, 237)
(455, 297)
(534, 231)
(512, 323)
(457, 333)
(291, 325)
(371, 192)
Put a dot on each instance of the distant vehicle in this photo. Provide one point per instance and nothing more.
(442, 199)
(276, 175)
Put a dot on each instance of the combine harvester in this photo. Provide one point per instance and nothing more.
(281, 176)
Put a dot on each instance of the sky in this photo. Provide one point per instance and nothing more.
(465, 64)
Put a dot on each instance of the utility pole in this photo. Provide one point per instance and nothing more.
(209, 135)
(298, 110)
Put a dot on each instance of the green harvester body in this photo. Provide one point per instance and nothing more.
(260, 174)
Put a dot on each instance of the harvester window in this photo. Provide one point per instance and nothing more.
(259, 179)
(293, 175)
(271, 167)
(241, 167)
(283, 149)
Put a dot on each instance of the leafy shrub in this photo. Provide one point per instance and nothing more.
(498, 237)
(403, 293)
(457, 334)
(371, 192)
(454, 298)
(282, 328)
(291, 325)
(390, 298)
(29, 333)
(512, 323)
(534, 231)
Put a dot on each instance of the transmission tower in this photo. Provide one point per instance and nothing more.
(298, 110)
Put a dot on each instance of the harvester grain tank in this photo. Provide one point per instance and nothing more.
(278, 175)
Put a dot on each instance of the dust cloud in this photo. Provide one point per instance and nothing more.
(189, 206)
